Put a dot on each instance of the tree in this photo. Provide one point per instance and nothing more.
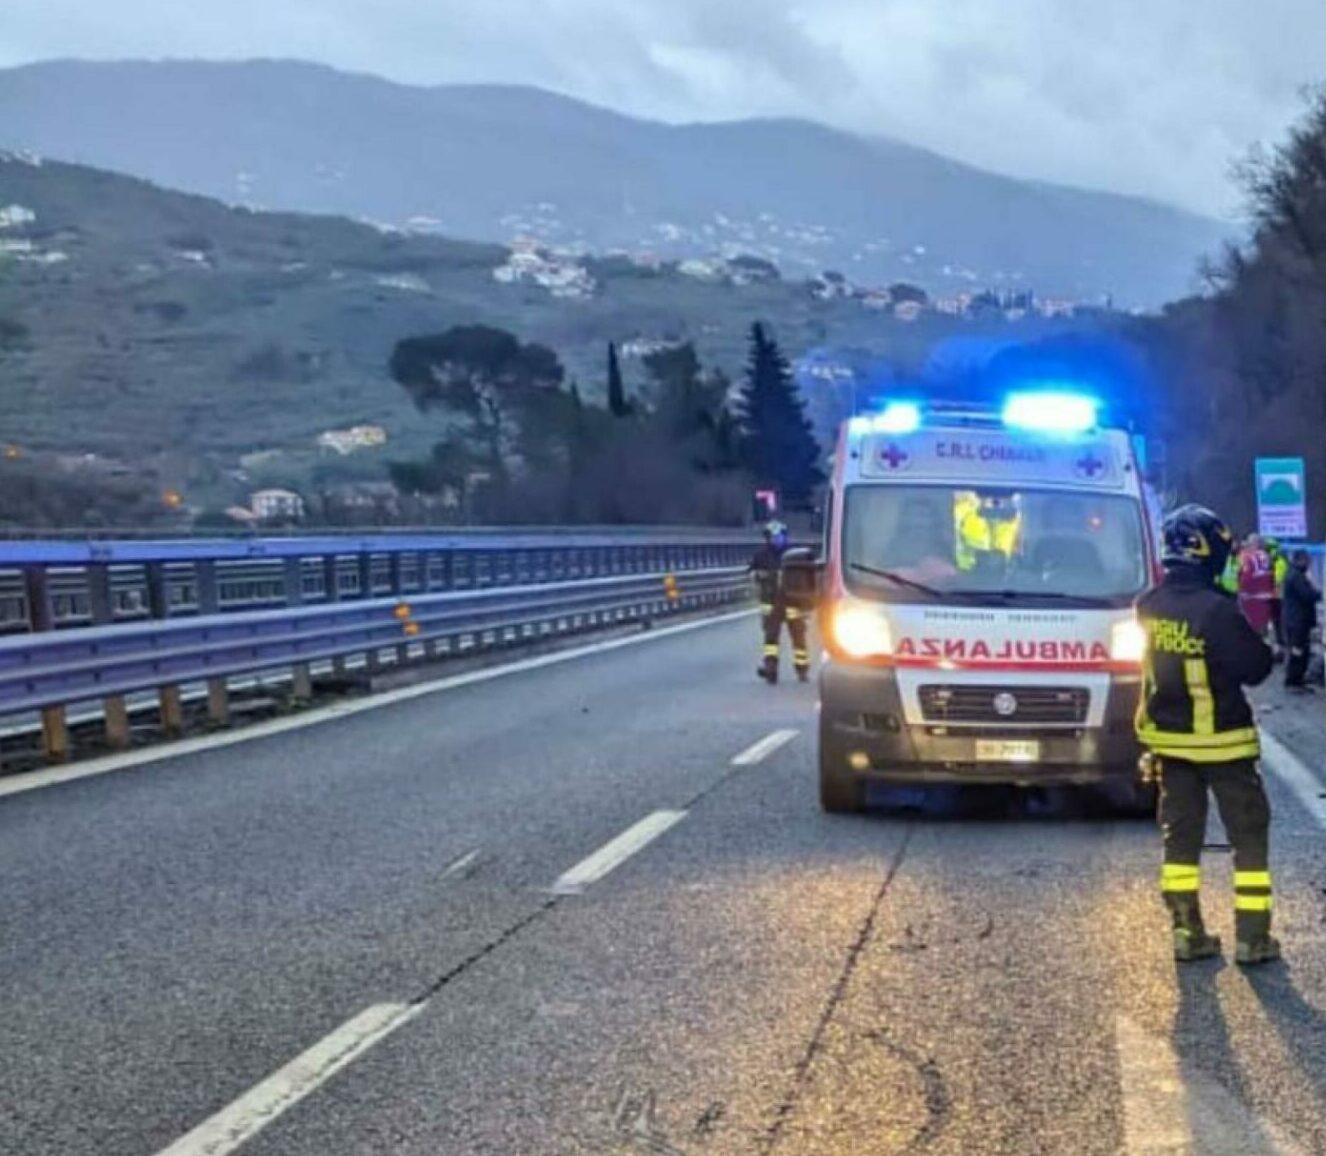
(777, 444)
(504, 393)
(618, 406)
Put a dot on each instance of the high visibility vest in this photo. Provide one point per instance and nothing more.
(978, 535)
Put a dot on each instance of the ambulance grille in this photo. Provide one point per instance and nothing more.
(1065, 705)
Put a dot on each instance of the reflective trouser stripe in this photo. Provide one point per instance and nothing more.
(1180, 877)
(793, 614)
(771, 650)
(1199, 690)
(1251, 879)
(801, 657)
(766, 608)
(1252, 891)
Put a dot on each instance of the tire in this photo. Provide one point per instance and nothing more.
(841, 792)
(1135, 800)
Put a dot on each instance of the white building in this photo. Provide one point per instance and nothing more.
(346, 441)
(274, 505)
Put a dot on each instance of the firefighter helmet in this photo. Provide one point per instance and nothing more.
(1194, 536)
(775, 532)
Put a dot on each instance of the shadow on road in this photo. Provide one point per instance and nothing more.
(1301, 1026)
(1205, 1053)
(998, 803)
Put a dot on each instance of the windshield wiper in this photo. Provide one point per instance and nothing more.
(891, 576)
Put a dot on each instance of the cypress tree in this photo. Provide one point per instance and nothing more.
(618, 406)
(777, 444)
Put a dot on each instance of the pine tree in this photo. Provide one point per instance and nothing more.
(618, 406)
(777, 445)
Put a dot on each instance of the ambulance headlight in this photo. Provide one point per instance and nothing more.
(1127, 641)
(861, 630)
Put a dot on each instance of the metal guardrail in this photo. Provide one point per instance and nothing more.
(60, 584)
(48, 671)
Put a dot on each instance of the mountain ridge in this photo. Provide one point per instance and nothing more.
(492, 161)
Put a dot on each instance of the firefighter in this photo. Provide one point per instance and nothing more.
(1198, 728)
(777, 607)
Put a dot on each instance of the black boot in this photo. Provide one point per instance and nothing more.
(1191, 940)
(1255, 943)
(803, 674)
(769, 671)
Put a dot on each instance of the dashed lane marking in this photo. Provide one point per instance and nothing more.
(758, 752)
(615, 852)
(1170, 1110)
(264, 1102)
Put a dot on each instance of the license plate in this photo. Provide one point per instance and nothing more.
(1008, 750)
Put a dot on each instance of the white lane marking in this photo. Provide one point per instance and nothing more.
(459, 865)
(1291, 770)
(757, 752)
(34, 780)
(264, 1102)
(615, 852)
(1172, 1111)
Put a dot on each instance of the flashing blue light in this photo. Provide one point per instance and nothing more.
(898, 417)
(1051, 411)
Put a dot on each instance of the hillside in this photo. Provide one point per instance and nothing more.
(491, 162)
(139, 322)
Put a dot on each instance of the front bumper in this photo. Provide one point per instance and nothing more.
(862, 714)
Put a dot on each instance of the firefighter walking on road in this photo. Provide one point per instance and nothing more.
(777, 607)
(1198, 727)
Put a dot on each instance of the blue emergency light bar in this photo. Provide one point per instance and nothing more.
(898, 417)
(1051, 411)
(1047, 411)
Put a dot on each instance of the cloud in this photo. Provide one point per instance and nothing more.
(1142, 96)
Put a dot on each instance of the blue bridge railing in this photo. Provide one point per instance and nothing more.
(100, 620)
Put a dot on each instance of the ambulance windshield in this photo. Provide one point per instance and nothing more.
(899, 542)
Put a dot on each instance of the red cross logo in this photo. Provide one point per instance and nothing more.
(893, 456)
(1090, 465)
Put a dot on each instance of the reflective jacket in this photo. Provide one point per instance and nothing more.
(1201, 653)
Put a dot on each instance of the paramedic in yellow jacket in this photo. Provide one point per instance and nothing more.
(986, 524)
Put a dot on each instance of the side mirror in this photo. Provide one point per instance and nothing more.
(801, 574)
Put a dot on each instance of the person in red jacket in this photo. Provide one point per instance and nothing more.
(1256, 584)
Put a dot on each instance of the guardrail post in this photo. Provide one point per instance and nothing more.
(38, 592)
(55, 733)
(293, 580)
(218, 702)
(209, 602)
(117, 721)
(331, 580)
(158, 605)
(99, 594)
(172, 709)
(301, 682)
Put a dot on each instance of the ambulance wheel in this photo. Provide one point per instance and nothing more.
(1136, 800)
(841, 792)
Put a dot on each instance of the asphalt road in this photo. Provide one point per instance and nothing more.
(398, 892)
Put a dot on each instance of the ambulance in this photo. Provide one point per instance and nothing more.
(979, 573)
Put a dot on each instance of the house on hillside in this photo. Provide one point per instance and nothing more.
(276, 505)
(346, 441)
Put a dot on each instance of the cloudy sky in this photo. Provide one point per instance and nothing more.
(1144, 96)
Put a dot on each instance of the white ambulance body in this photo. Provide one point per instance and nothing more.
(980, 573)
